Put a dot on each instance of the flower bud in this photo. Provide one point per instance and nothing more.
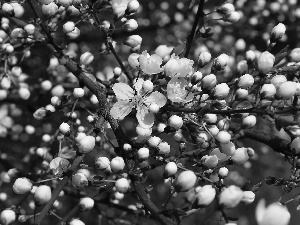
(144, 132)
(277, 32)
(228, 148)
(277, 80)
(7, 216)
(130, 25)
(16, 71)
(220, 62)
(248, 197)
(86, 144)
(8, 9)
(223, 172)
(185, 181)
(220, 91)
(122, 185)
(205, 196)
(295, 55)
(175, 122)
(154, 108)
(133, 41)
(286, 90)
(154, 141)
(5, 82)
(164, 148)
(86, 204)
(250, 56)
(204, 59)
(143, 154)
(24, 93)
(133, 60)
(102, 163)
(170, 170)
(29, 28)
(295, 145)
(78, 92)
(267, 91)
(226, 8)
(22, 186)
(64, 128)
(241, 94)
(73, 34)
(117, 164)
(42, 195)
(230, 197)
(232, 17)
(49, 9)
(196, 77)
(148, 85)
(86, 58)
(242, 67)
(265, 62)
(79, 180)
(240, 156)
(209, 82)
(132, 7)
(223, 137)
(249, 122)
(210, 118)
(213, 129)
(76, 222)
(275, 214)
(46, 85)
(246, 81)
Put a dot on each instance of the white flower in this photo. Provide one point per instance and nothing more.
(176, 90)
(129, 98)
(179, 67)
(274, 214)
(150, 64)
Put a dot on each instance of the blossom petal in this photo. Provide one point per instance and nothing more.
(145, 119)
(123, 91)
(121, 109)
(138, 85)
(156, 97)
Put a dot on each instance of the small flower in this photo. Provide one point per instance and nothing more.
(129, 98)
(176, 90)
(150, 64)
(58, 165)
(179, 67)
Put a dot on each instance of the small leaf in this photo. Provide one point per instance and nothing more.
(281, 55)
(179, 49)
